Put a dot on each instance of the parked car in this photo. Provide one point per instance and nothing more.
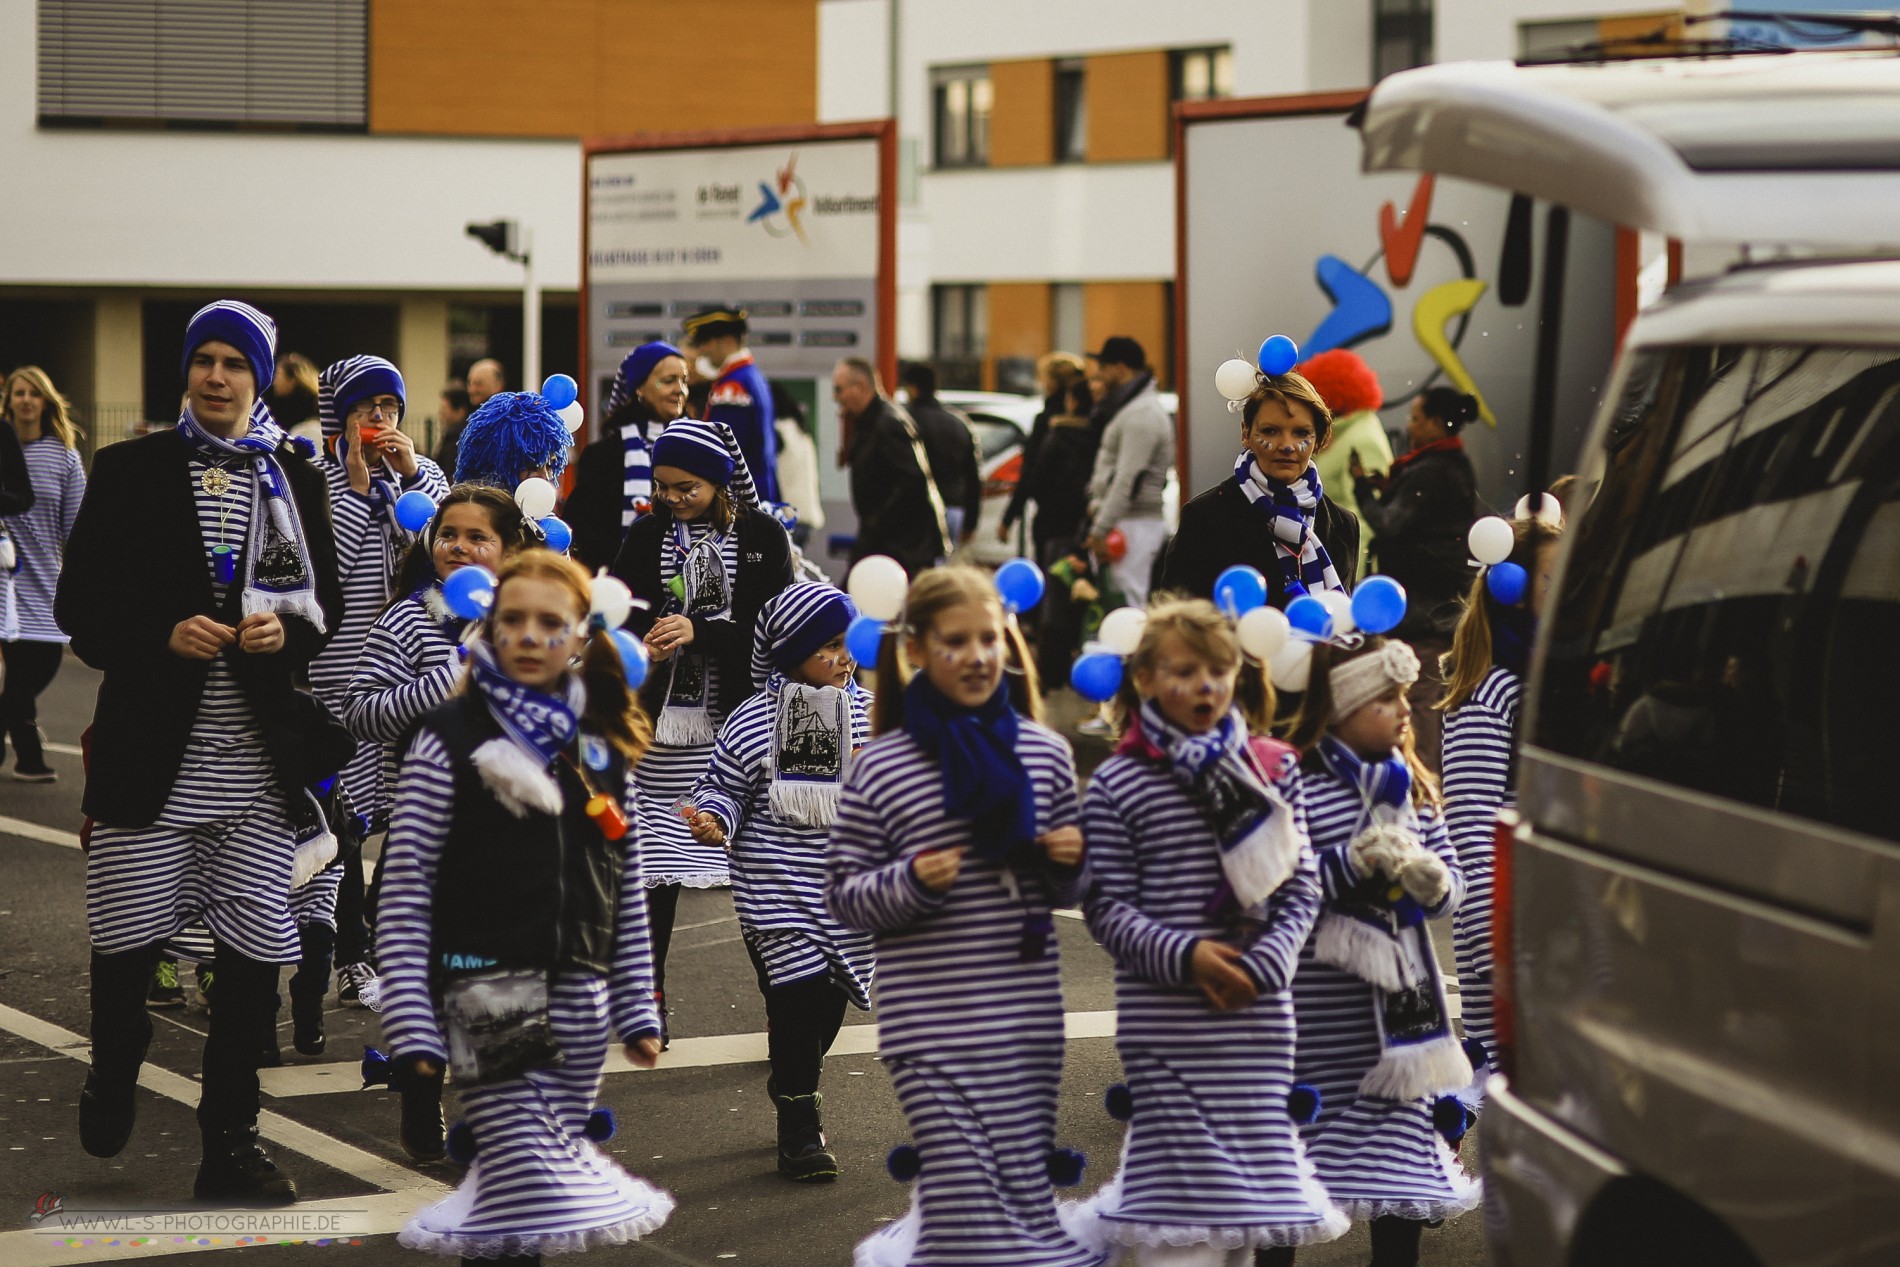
(1697, 919)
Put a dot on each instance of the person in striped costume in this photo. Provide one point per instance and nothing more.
(1203, 888)
(1484, 681)
(1376, 1036)
(201, 743)
(613, 481)
(956, 840)
(704, 563)
(367, 463)
(411, 663)
(511, 928)
(771, 794)
(33, 641)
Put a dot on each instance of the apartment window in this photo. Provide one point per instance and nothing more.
(1401, 35)
(1202, 74)
(1072, 112)
(298, 65)
(961, 325)
(962, 103)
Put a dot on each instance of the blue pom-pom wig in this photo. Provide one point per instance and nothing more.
(512, 433)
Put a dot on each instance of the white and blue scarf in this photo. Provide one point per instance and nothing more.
(1304, 564)
(1377, 933)
(537, 727)
(811, 745)
(636, 480)
(699, 588)
(278, 576)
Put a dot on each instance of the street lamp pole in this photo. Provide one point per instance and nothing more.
(510, 239)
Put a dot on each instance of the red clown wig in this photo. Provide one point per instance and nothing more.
(1344, 381)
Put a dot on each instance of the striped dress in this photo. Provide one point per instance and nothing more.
(972, 1034)
(39, 542)
(778, 868)
(407, 667)
(1479, 736)
(1212, 1156)
(1376, 1157)
(669, 772)
(537, 1185)
(221, 850)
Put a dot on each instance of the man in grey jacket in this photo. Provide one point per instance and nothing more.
(1131, 467)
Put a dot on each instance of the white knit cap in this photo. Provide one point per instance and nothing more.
(1365, 678)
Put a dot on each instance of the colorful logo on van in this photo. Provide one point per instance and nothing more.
(1363, 310)
(781, 209)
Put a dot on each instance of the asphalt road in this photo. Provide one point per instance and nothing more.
(700, 1125)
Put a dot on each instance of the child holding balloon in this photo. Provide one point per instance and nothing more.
(771, 795)
(955, 841)
(1203, 888)
(1484, 676)
(1375, 1034)
(512, 934)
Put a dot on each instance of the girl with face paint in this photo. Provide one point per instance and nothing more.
(956, 839)
(771, 795)
(1203, 889)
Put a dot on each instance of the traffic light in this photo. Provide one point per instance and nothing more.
(503, 237)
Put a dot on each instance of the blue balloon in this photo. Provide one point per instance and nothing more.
(1278, 355)
(1507, 582)
(469, 591)
(1309, 616)
(785, 513)
(1378, 604)
(1239, 590)
(633, 655)
(559, 535)
(1097, 676)
(862, 638)
(1020, 583)
(414, 510)
(560, 391)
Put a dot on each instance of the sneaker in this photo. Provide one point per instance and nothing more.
(306, 1024)
(23, 775)
(165, 991)
(804, 1155)
(1096, 725)
(358, 984)
(202, 978)
(236, 1172)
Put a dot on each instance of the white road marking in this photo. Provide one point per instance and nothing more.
(33, 831)
(376, 1214)
(65, 749)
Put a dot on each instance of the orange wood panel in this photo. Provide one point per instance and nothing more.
(1635, 26)
(1022, 115)
(1019, 323)
(1128, 107)
(584, 67)
(1136, 309)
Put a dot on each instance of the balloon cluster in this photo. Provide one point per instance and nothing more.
(609, 603)
(1235, 379)
(1491, 540)
(877, 583)
(563, 396)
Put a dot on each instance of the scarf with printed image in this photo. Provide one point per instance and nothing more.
(537, 727)
(1304, 564)
(700, 587)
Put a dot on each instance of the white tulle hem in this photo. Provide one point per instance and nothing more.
(893, 1244)
(693, 880)
(546, 1244)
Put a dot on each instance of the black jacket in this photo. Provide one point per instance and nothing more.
(1221, 528)
(765, 568)
(890, 491)
(135, 568)
(1418, 531)
(953, 460)
(593, 508)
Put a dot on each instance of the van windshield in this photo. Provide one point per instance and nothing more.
(1729, 618)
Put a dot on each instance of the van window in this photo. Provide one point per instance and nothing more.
(1730, 613)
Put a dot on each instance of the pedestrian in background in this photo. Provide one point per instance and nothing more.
(1131, 467)
(952, 449)
(900, 510)
(486, 379)
(797, 466)
(293, 396)
(739, 396)
(1419, 512)
(1351, 391)
(1058, 460)
(613, 480)
(451, 415)
(35, 645)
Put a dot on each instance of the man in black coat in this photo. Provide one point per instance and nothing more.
(201, 577)
(900, 511)
(952, 449)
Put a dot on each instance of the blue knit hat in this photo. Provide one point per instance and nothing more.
(341, 385)
(795, 622)
(636, 369)
(512, 432)
(245, 328)
(692, 445)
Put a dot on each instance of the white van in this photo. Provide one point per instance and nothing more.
(1698, 902)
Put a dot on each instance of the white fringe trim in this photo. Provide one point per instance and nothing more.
(1260, 864)
(1368, 953)
(299, 603)
(516, 779)
(683, 727)
(313, 855)
(805, 804)
(1437, 1067)
(691, 880)
(893, 1244)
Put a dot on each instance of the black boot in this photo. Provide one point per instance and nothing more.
(121, 1033)
(424, 1131)
(107, 1110)
(1395, 1241)
(29, 761)
(802, 1153)
(269, 1055)
(235, 1171)
(1276, 1256)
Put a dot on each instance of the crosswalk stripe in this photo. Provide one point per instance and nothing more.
(33, 831)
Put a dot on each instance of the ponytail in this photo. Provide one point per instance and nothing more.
(1315, 717)
(1470, 659)
(613, 710)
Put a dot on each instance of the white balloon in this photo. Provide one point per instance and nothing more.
(1121, 630)
(877, 584)
(1292, 665)
(574, 416)
(610, 599)
(1340, 606)
(1235, 379)
(1263, 631)
(536, 497)
(1491, 540)
(1549, 510)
